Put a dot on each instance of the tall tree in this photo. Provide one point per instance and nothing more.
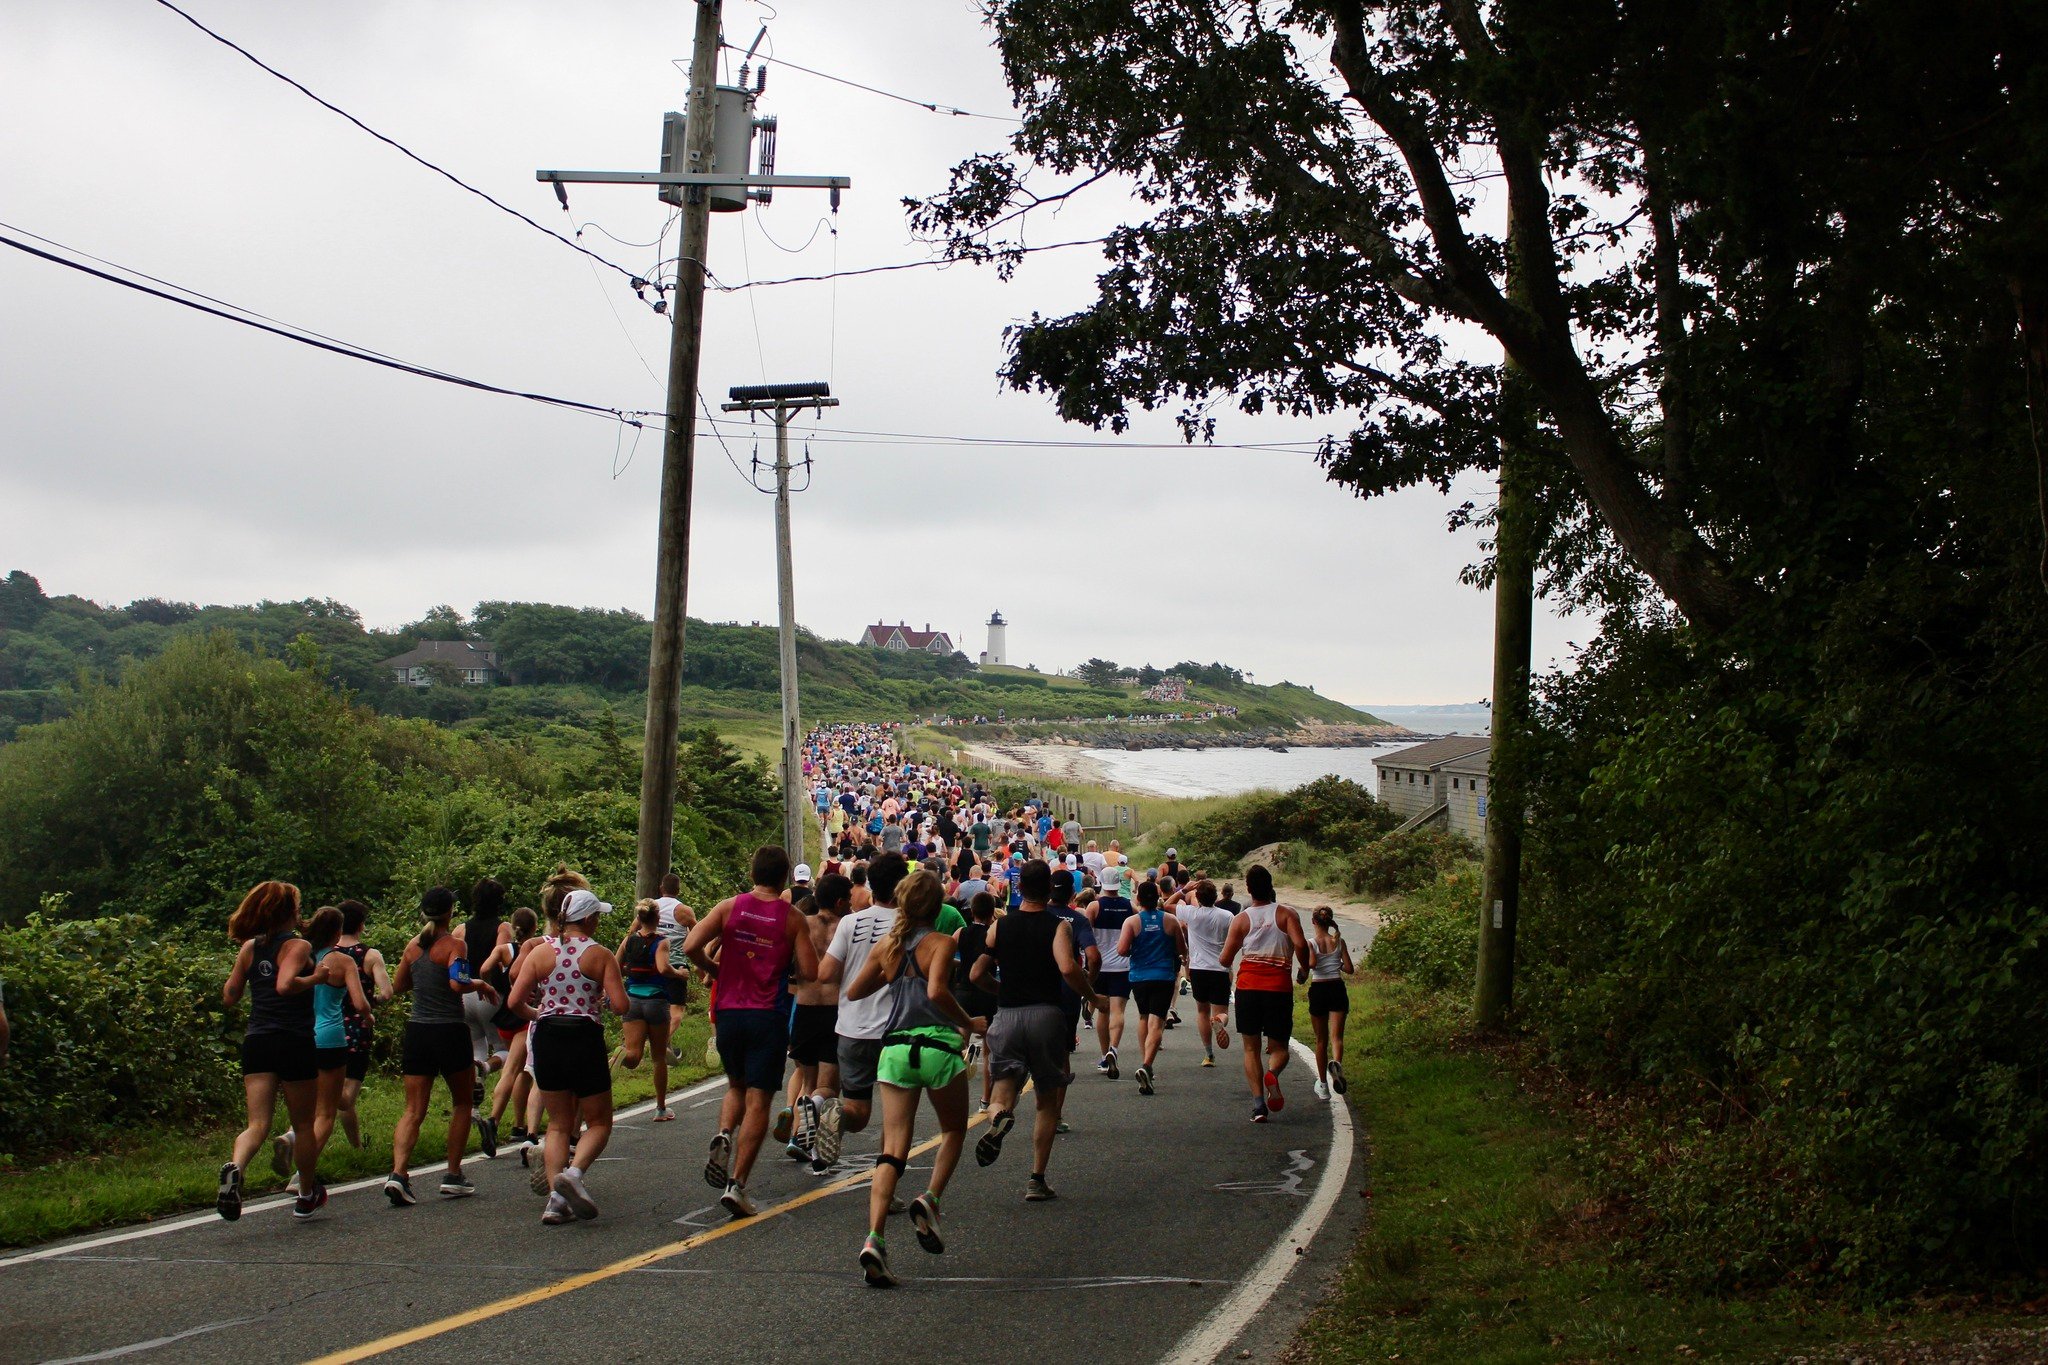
(1706, 203)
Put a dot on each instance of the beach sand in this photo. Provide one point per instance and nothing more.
(1063, 762)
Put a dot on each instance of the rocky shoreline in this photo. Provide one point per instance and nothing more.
(1110, 735)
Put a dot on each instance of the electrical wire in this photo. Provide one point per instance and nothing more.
(315, 340)
(928, 105)
(723, 287)
(447, 175)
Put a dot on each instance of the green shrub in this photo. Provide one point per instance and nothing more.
(1431, 935)
(1330, 812)
(116, 1024)
(1407, 861)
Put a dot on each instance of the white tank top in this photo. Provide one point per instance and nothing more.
(566, 992)
(1266, 958)
(1328, 965)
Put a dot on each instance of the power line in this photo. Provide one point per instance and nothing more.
(860, 436)
(722, 287)
(447, 175)
(928, 105)
(315, 340)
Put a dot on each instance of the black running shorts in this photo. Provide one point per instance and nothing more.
(814, 1035)
(1328, 997)
(1265, 1013)
(435, 1049)
(1209, 987)
(1152, 997)
(568, 1054)
(287, 1056)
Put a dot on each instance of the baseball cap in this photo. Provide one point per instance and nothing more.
(803, 872)
(1173, 853)
(582, 905)
(437, 903)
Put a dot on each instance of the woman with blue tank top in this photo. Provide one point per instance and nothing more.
(1156, 945)
(336, 985)
(921, 1053)
(277, 1050)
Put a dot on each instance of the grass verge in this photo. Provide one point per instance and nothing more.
(167, 1173)
(1487, 1244)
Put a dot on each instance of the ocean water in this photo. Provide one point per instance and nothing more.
(1437, 720)
(1224, 772)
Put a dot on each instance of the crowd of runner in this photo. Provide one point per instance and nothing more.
(948, 946)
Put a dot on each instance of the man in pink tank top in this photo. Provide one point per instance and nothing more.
(748, 944)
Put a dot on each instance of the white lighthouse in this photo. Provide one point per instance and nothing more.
(998, 651)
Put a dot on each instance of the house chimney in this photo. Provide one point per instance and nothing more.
(927, 627)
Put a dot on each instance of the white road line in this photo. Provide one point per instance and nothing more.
(1212, 1336)
(150, 1345)
(210, 1219)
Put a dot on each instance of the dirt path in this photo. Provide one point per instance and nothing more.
(1360, 920)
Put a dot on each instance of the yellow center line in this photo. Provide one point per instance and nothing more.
(456, 1322)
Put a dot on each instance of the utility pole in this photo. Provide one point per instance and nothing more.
(701, 161)
(785, 401)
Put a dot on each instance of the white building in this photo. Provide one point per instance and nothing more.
(998, 651)
(474, 661)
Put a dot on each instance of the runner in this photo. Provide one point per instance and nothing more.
(676, 922)
(481, 935)
(1030, 953)
(758, 935)
(642, 954)
(277, 1047)
(570, 976)
(1154, 944)
(814, 1027)
(1270, 939)
(336, 985)
(1113, 978)
(977, 1002)
(360, 1026)
(1329, 1000)
(911, 970)
(1207, 925)
(436, 970)
(515, 1080)
(861, 1022)
(1091, 962)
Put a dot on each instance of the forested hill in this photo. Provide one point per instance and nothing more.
(564, 663)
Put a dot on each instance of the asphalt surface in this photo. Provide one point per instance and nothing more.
(1167, 1204)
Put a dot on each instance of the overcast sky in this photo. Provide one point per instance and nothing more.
(146, 450)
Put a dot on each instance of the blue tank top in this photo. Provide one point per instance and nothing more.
(1152, 956)
(329, 1028)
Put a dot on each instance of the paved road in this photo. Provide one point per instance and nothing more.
(1173, 1227)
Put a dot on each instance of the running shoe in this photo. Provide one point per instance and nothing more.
(874, 1264)
(924, 1213)
(736, 1202)
(664, 1115)
(820, 1166)
(1337, 1077)
(1275, 1101)
(785, 1123)
(537, 1171)
(487, 1137)
(1222, 1037)
(228, 1200)
(557, 1212)
(456, 1187)
(569, 1185)
(1102, 1067)
(292, 1186)
(1258, 1111)
(1143, 1075)
(398, 1189)
(827, 1145)
(1322, 1091)
(281, 1153)
(991, 1145)
(1036, 1191)
(306, 1205)
(806, 1124)
(1063, 1127)
(1173, 1019)
(1112, 1073)
(1187, 987)
(520, 1137)
(1208, 1060)
(716, 1172)
(796, 1152)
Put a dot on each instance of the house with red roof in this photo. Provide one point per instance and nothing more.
(899, 636)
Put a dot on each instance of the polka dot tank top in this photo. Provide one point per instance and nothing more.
(566, 992)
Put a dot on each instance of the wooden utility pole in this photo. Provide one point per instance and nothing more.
(694, 172)
(785, 401)
(1514, 594)
(678, 477)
